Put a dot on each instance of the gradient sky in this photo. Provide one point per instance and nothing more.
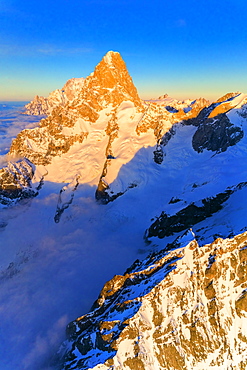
(186, 48)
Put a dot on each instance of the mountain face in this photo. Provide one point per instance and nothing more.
(162, 176)
(183, 309)
(104, 111)
(92, 116)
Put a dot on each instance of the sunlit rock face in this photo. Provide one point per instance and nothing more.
(15, 181)
(216, 134)
(103, 109)
(182, 309)
(109, 84)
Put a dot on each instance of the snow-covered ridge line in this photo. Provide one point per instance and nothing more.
(172, 311)
(59, 97)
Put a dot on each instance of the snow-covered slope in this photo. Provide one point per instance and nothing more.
(103, 180)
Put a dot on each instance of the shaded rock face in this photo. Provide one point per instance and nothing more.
(174, 311)
(188, 217)
(216, 134)
(215, 131)
(192, 214)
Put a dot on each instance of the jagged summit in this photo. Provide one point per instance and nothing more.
(106, 88)
(105, 107)
(113, 59)
(110, 83)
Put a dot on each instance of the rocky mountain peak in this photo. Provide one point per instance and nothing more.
(110, 83)
(112, 71)
(78, 113)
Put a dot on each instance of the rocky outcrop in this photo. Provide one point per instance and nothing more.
(222, 105)
(189, 216)
(15, 181)
(216, 134)
(38, 106)
(176, 310)
(215, 131)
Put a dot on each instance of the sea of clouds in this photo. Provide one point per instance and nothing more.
(12, 121)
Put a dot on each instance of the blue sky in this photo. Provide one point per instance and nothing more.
(184, 48)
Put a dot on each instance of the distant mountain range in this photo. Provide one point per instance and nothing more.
(174, 172)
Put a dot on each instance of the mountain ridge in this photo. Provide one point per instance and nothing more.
(44, 106)
(165, 312)
(69, 123)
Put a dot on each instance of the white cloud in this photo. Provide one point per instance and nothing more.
(52, 50)
(23, 50)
